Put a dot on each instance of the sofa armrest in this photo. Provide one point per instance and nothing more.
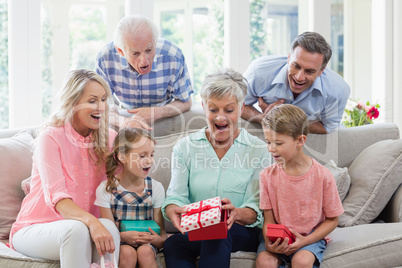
(393, 210)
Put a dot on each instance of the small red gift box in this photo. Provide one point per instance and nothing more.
(275, 231)
(205, 220)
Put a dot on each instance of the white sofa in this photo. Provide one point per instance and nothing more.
(368, 157)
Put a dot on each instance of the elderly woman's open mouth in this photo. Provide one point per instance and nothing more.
(221, 127)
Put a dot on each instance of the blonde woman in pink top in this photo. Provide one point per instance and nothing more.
(296, 191)
(58, 219)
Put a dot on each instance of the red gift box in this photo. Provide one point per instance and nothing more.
(217, 231)
(275, 231)
(204, 220)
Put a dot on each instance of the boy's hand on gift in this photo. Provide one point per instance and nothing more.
(300, 241)
(232, 213)
(277, 247)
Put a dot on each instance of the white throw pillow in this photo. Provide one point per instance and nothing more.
(375, 175)
(342, 178)
(15, 166)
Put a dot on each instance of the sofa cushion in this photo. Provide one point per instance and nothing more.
(12, 259)
(342, 178)
(15, 166)
(364, 246)
(375, 176)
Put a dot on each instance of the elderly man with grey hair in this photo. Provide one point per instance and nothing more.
(301, 79)
(147, 75)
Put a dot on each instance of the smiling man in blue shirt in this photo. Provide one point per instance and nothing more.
(301, 79)
(147, 75)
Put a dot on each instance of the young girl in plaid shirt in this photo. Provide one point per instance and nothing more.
(129, 194)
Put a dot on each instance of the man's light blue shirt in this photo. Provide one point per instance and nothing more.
(198, 174)
(325, 100)
(168, 80)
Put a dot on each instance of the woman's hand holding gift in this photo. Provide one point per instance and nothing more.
(232, 211)
(242, 216)
(174, 214)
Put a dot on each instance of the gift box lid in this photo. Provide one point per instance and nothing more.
(275, 231)
(140, 226)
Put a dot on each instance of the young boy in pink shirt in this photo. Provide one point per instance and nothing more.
(296, 191)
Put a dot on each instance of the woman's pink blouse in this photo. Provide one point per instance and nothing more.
(62, 168)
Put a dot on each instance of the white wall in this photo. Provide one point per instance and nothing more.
(397, 63)
(357, 48)
(382, 57)
(315, 15)
(24, 45)
(237, 34)
(144, 7)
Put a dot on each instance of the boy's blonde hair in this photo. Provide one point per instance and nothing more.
(286, 119)
(123, 143)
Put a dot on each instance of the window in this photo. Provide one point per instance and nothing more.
(3, 64)
(197, 28)
(273, 26)
(72, 39)
(337, 36)
(46, 64)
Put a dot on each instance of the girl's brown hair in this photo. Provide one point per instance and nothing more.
(123, 143)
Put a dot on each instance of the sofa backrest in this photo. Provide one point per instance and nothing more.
(342, 146)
